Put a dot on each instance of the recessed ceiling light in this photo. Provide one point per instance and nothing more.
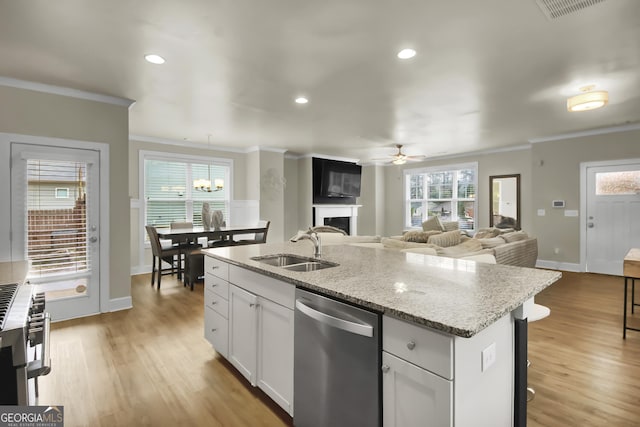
(301, 100)
(406, 53)
(154, 59)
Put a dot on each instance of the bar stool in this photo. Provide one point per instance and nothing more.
(538, 312)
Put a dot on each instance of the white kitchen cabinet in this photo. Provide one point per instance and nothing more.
(412, 395)
(216, 305)
(430, 375)
(260, 329)
(275, 352)
(243, 330)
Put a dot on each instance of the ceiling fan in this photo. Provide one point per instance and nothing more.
(400, 158)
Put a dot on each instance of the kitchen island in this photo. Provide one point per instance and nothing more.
(449, 322)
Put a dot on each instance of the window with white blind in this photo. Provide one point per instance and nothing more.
(56, 227)
(448, 192)
(169, 193)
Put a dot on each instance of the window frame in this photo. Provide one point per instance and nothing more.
(185, 158)
(66, 196)
(454, 200)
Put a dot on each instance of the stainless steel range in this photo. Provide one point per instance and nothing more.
(24, 343)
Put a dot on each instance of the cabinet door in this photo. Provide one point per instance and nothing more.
(243, 321)
(275, 352)
(216, 330)
(412, 395)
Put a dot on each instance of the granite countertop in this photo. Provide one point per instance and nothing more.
(455, 296)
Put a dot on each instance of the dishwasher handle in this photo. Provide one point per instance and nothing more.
(363, 329)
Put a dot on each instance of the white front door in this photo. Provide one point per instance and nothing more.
(56, 224)
(612, 215)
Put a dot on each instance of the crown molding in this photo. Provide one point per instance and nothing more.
(459, 155)
(268, 149)
(325, 156)
(65, 91)
(590, 132)
(189, 144)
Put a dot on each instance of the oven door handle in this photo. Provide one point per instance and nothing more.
(42, 366)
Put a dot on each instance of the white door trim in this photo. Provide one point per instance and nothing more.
(103, 149)
(583, 201)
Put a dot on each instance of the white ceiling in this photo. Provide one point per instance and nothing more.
(488, 75)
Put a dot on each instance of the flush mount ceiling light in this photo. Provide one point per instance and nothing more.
(154, 59)
(406, 53)
(301, 100)
(588, 100)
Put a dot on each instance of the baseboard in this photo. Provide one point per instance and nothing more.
(140, 269)
(117, 304)
(555, 265)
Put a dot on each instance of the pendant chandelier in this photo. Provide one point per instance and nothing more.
(202, 184)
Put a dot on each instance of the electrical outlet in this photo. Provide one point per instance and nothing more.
(488, 357)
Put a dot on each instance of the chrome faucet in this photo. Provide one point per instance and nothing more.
(315, 239)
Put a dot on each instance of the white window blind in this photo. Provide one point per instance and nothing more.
(56, 227)
(169, 194)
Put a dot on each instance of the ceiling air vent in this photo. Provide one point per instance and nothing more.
(554, 9)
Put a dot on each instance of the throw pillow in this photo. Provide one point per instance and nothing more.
(450, 225)
(514, 236)
(449, 238)
(432, 223)
(418, 236)
(486, 233)
(399, 244)
(492, 242)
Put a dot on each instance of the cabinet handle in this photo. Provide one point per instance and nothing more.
(214, 302)
(253, 305)
(411, 345)
(214, 329)
(213, 267)
(385, 368)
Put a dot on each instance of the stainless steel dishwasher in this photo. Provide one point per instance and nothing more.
(337, 359)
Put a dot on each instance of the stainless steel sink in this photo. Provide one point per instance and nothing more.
(309, 266)
(281, 260)
(294, 262)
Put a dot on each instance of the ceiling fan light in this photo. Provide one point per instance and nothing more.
(399, 161)
(588, 101)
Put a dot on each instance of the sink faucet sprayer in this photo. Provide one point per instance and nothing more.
(315, 239)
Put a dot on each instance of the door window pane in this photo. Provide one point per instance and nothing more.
(617, 183)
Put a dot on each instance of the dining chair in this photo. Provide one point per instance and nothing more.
(171, 255)
(202, 241)
(260, 237)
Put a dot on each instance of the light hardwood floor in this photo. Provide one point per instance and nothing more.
(151, 365)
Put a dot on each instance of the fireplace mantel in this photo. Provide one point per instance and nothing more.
(330, 211)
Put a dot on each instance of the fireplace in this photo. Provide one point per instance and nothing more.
(341, 222)
(327, 214)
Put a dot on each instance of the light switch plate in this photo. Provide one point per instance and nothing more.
(570, 213)
(542, 212)
(488, 357)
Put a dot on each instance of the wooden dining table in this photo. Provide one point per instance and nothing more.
(222, 234)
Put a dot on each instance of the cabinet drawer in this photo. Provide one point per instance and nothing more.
(424, 347)
(275, 290)
(216, 331)
(216, 285)
(217, 303)
(216, 267)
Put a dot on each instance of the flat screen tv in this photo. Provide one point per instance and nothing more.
(335, 181)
